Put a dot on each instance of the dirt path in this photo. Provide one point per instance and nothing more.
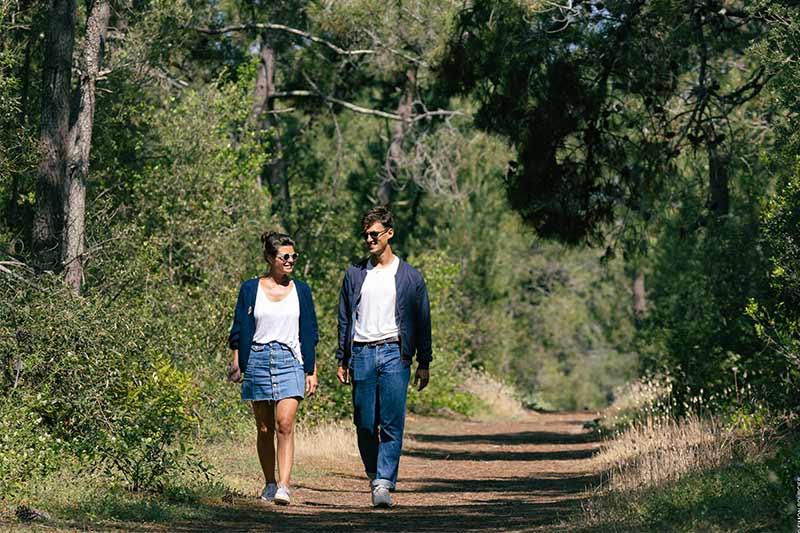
(454, 476)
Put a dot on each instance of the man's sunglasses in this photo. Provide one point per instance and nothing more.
(373, 234)
(285, 257)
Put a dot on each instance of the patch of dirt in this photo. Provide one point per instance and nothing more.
(455, 476)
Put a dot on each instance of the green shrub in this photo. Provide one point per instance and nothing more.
(27, 448)
(777, 314)
(89, 385)
(451, 333)
(152, 414)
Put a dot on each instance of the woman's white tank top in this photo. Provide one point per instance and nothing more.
(278, 321)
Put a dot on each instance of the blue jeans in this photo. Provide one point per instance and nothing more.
(380, 383)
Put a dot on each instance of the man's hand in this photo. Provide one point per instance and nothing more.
(344, 375)
(311, 384)
(421, 378)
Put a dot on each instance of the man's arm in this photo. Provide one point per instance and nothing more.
(423, 326)
(423, 335)
(343, 372)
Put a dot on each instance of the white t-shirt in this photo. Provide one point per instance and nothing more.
(375, 318)
(278, 321)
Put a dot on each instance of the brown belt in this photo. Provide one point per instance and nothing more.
(390, 340)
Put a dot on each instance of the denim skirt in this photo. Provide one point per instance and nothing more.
(273, 373)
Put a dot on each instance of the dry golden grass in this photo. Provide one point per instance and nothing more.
(640, 396)
(655, 446)
(318, 450)
(323, 446)
(500, 398)
(661, 470)
(663, 449)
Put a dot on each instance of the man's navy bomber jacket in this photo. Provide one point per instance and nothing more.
(412, 312)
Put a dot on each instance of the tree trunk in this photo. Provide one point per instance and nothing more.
(26, 36)
(80, 146)
(404, 109)
(719, 183)
(273, 173)
(57, 69)
(264, 80)
(639, 295)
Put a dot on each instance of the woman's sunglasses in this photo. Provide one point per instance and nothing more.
(286, 257)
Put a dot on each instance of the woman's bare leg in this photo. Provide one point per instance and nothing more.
(265, 442)
(284, 418)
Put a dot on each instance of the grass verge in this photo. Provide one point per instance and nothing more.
(735, 472)
(756, 495)
(77, 500)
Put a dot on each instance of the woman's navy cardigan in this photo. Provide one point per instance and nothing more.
(244, 324)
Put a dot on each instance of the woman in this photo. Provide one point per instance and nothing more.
(273, 338)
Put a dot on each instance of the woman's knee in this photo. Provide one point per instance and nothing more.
(285, 425)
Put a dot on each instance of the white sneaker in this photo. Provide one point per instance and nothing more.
(282, 495)
(381, 497)
(268, 494)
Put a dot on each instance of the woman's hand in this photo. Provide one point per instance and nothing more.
(311, 384)
(234, 374)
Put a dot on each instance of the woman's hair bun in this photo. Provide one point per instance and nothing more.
(267, 235)
(271, 241)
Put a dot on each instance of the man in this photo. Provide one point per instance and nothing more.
(384, 319)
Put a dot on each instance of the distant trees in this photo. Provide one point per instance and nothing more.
(642, 126)
(362, 56)
(602, 99)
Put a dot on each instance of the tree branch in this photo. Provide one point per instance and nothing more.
(364, 110)
(748, 90)
(282, 27)
(347, 105)
(376, 40)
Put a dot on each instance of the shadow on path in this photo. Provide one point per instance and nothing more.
(449, 455)
(491, 514)
(522, 437)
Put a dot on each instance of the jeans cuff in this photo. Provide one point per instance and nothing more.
(383, 483)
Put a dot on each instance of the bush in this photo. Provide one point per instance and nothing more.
(777, 314)
(27, 448)
(697, 329)
(88, 385)
(451, 357)
(151, 415)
